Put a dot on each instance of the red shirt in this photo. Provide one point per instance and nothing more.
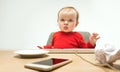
(62, 40)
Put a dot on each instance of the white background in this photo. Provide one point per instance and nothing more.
(24, 24)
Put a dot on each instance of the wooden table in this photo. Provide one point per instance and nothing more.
(9, 62)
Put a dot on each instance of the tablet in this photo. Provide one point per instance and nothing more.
(48, 64)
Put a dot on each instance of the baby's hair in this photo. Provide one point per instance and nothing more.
(70, 8)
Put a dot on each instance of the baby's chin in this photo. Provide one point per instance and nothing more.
(66, 31)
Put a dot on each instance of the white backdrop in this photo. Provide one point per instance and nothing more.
(24, 24)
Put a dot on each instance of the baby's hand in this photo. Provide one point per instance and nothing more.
(94, 38)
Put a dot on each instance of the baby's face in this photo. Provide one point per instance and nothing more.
(67, 21)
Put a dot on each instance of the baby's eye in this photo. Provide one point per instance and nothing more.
(70, 20)
(62, 20)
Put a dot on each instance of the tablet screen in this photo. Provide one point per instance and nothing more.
(50, 62)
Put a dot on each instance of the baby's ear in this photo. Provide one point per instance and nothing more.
(77, 23)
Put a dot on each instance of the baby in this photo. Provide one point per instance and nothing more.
(66, 37)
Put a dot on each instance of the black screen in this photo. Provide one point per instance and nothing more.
(50, 62)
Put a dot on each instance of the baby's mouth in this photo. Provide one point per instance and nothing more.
(65, 27)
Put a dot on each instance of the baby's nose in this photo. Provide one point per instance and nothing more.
(66, 22)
